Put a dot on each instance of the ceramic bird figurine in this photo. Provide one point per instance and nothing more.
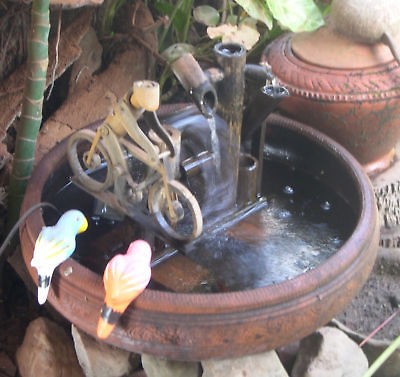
(53, 246)
(125, 277)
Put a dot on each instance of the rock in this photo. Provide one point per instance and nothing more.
(88, 62)
(287, 354)
(12, 88)
(140, 373)
(373, 348)
(158, 367)
(91, 103)
(7, 367)
(98, 359)
(329, 352)
(92, 94)
(263, 364)
(47, 351)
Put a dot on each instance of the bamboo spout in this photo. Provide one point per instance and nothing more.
(196, 83)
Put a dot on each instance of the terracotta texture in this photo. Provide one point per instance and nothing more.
(198, 326)
(357, 103)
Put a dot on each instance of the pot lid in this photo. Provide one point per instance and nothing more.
(326, 48)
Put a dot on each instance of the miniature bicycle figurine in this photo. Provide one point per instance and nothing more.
(122, 163)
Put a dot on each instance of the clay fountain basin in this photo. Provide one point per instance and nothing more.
(269, 277)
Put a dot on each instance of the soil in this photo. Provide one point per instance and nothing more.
(17, 309)
(378, 299)
(15, 21)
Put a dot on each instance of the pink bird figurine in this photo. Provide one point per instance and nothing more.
(125, 277)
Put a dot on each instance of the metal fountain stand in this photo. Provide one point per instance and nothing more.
(158, 201)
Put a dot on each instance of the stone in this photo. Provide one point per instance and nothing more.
(373, 348)
(159, 367)
(7, 367)
(48, 351)
(329, 352)
(12, 88)
(265, 364)
(99, 359)
(287, 354)
(91, 103)
(88, 62)
(140, 373)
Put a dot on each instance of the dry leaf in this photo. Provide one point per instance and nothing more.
(244, 34)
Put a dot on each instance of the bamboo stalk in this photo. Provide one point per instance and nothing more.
(31, 114)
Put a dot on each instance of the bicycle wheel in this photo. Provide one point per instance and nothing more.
(188, 223)
(94, 175)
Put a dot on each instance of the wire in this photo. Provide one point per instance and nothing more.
(16, 226)
(382, 357)
(380, 327)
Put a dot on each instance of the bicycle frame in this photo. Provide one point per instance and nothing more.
(118, 139)
(153, 154)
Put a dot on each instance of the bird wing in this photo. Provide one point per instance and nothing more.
(52, 247)
(124, 279)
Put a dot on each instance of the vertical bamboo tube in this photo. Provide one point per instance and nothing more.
(232, 59)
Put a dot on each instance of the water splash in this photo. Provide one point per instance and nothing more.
(212, 184)
(271, 246)
(289, 190)
(326, 205)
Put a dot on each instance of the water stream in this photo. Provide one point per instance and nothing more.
(215, 146)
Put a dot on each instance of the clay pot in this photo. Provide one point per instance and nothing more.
(198, 326)
(348, 90)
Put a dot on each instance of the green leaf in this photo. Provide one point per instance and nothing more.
(232, 19)
(164, 8)
(257, 9)
(179, 22)
(206, 15)
(296, 15)
(177, 17)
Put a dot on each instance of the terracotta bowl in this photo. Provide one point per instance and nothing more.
(347, 90)
(198, 326)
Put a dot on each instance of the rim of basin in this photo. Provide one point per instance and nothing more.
(308, 283)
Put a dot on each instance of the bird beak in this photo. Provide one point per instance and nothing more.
(84, 226)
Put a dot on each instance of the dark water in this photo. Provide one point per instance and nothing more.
(299, 226)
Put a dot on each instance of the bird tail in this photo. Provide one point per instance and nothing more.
(43, 288)
(107, 321)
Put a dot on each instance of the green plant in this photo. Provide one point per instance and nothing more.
(235, 18)
(31, 114)
(108, 13)
(183, 27)
(249, 22)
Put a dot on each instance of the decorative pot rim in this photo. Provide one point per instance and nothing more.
(359, 234)
(154, 309)
(375, 83)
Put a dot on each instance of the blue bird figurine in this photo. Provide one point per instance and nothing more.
(54, 245)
